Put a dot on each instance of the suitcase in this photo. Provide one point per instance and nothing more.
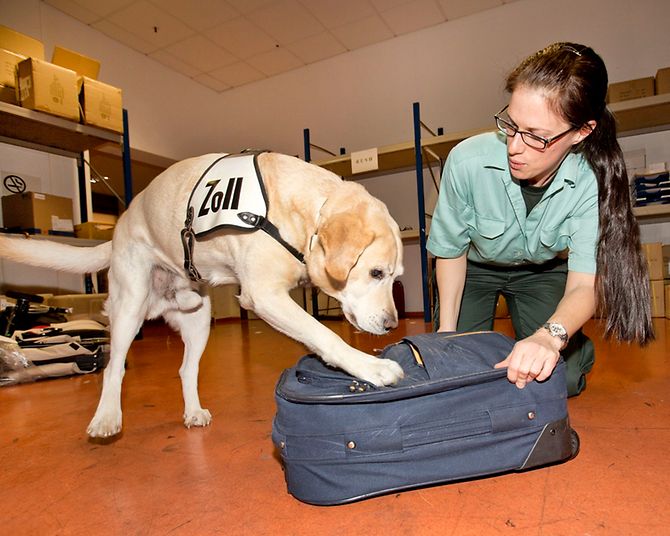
(452, 417)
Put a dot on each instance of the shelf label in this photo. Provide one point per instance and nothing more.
(362, 161)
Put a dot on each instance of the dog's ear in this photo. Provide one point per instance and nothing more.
(343, 237)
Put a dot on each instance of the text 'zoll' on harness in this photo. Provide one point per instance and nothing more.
(230, 194)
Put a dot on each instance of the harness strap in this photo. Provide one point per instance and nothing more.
(187, 240)
(262, 223)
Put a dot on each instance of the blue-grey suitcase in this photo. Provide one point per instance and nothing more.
(452, 417)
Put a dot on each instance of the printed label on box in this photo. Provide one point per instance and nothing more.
(25, 86)
(59, 224)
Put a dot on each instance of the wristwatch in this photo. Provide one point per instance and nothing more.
(557, 330)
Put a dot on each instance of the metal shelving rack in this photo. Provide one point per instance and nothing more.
(55, 135)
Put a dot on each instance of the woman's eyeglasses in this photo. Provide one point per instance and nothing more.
(532, 140)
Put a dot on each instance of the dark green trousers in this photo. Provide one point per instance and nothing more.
(532, 293)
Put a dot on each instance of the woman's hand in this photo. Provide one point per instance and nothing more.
(535, 357)
(532, 358)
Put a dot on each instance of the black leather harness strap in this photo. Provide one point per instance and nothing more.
(187, 240)
(262, 223)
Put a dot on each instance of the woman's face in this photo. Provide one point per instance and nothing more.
(529, 110)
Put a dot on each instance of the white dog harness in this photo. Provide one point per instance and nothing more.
(230, 194)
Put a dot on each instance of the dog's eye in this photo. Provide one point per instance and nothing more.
(376, 273)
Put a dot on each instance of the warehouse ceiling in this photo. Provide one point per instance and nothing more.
(226, 44)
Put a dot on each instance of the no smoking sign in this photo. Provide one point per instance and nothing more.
(14, 184)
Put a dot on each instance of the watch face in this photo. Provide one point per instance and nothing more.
(556, 330)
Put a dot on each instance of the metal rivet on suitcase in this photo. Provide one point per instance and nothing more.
(351, 445)
(531, 415)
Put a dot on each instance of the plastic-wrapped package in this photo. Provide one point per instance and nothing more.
(13, 362)
(58, 350)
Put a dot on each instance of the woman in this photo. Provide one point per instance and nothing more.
(540, 212)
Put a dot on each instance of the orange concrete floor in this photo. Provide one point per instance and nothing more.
(158, 478)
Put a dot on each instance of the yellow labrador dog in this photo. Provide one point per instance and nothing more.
(351, 247)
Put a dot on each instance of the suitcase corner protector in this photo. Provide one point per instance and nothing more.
(557, 443)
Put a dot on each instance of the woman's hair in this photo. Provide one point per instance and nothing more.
(574, 79)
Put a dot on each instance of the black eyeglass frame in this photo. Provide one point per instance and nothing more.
(546, 142)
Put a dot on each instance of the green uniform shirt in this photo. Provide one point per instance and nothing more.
(481, 210)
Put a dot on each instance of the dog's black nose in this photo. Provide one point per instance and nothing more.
(390, 322)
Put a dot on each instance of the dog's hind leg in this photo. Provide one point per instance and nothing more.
(193, 326)
(129, 286)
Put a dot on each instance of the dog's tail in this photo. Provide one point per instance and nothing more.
(55, 255)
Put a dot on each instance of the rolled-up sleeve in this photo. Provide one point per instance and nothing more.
(450, 227)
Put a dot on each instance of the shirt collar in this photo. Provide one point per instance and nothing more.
(566, 175)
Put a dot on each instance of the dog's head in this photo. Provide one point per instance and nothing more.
(355, 257)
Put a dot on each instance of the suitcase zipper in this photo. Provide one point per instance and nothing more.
(344, 389)
(353, 385)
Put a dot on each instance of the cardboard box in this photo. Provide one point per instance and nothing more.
(657, 292)
(34, 210)
(666, 261)
(85, 305)
(8, 62)
(80, 64)
(20, 43)
(667, 301)
(8, 94)
(631, 89)
(94, 230)
(635, 160)
(663, 81)
(101, 104)
(224, 301)
(653, 252)
(48, 88)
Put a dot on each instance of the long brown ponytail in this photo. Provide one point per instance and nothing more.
(574, 78)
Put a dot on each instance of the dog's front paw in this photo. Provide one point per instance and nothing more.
(382, 372)
(105, 425)
(199, 417)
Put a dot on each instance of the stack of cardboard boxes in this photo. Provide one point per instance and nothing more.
(658, 257)
(67, 87)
